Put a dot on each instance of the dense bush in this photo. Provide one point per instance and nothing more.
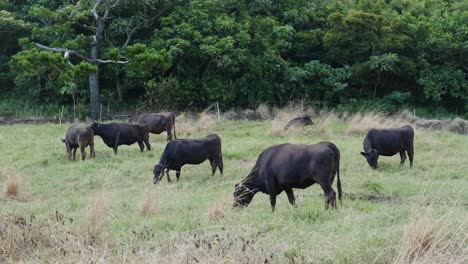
(349, 54)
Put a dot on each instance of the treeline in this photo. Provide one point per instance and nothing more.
(187, 54)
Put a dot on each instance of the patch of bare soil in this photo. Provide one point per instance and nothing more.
(371, 197)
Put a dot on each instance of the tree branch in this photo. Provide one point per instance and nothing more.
(94, 11)
(129, 36)
(111, 61)
(66, 52)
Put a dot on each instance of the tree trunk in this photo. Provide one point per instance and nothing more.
(377, 83)
(118, 86)
(94, 85)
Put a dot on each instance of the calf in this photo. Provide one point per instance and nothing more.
(116, 134)
(299, 121)
(158, 123)
(388, 142)
(287, 166)
(79, 136)
(189, 151)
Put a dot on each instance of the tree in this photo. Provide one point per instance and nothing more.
(93, 59)
(382, 63)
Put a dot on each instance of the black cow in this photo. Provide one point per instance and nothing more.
(287, 166)
(116, 134)
(299, 121)
(158, 123)
(79, 136)
(388, 142)
(189, 151)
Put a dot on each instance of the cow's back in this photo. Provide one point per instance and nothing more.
(193, 151)
(156, 122)
(295, 166)
(389, 141)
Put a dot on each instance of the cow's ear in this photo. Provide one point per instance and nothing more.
(364, 154)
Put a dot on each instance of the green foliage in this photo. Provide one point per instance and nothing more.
(242, 53)
(373, 187)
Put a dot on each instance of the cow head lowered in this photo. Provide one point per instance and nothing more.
(243, 194)
(371, 156)
(158, 172)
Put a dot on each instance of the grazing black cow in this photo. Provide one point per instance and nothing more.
(79, 136)
(299, 121)
(116, 134)
(388, 142)
(287, 166)
(158, 123)
(189, 151)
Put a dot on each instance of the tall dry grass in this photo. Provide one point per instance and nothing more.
(263, 112)
(281, 119)
(189, 126)
(433, 241)
(95, 216)
(217, 210)
(11, 183)
(149, 205)
(361, 123)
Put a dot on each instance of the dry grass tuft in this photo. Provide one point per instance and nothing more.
(216, 211)
(225, 246)
(263, 112)
(148, 206)
(12, 186)
(188, 126)
(95, 216)
(324, 124)
(282, 117)
(426, 240)
(359, 123)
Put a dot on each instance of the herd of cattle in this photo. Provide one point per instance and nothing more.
(278, 168)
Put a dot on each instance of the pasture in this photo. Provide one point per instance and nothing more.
(107, 209)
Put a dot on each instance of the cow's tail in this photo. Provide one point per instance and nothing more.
(337, 160)
(173, 123)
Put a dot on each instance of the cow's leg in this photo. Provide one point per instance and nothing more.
(168, 177)
(213, 166)
(74, 152)
(68, 151)
(169, 134)
(83, 151)
(402, 157)
(291, 198)
(330, 195)
(148, 145)
(219, 162)
(273, 202)
(177, 174)
(91, 150)
(142, 147)
(411, 155)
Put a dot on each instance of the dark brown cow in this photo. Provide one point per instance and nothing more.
(179, 152)
(284, 167)
(116, 134)
(299, 121)
(158, 123)
(388, 142)
(79, 136)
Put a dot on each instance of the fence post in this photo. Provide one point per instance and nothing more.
(61, 115)
(217, 107)
(100, 113)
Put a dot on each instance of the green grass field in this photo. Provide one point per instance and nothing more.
(378, 206)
